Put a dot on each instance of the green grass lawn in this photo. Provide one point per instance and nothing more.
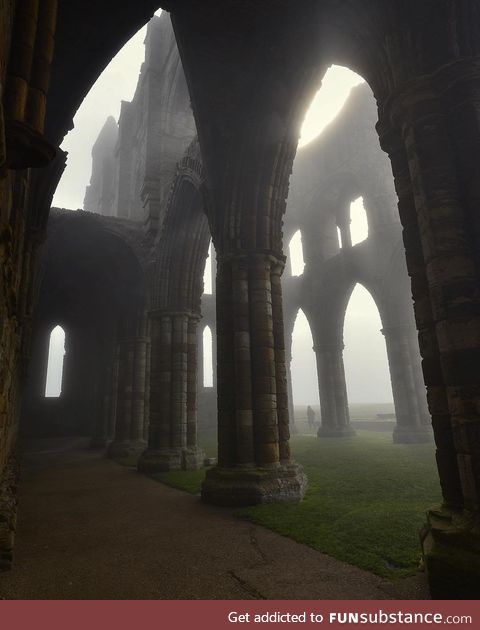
(365, 503)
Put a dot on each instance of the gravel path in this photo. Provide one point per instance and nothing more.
(91, 529)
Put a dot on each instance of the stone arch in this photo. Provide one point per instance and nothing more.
(97, 294)
(365, 345)
(333, 296)
(176, 288)
(99, 38)
(305, 363)
(182, 245)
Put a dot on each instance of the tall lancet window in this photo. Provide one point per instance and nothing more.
(56, 353)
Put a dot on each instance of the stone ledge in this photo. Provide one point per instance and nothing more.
(251, 486)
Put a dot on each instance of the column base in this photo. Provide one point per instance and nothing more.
(167, 459)
(125, 449)
(412, 435)
(236, 487)
(99, 442)
(8, 515)
(451, 551)
(335, 432)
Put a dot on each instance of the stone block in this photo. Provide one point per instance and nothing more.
(451, 551)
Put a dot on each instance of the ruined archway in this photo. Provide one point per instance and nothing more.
(304, 372)
(365, 357)
(96, 294)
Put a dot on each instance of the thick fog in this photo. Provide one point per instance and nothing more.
(365, 355)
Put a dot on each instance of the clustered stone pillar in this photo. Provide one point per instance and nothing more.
(130, 407)
(192, 375)
(172, 443)
(101, 429)
(437, 124)
(332, 387)
(432, 371)
(254, 463)
(413, 420)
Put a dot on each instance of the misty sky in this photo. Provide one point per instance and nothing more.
(365, 355)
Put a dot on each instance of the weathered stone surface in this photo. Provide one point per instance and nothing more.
(250, 486)
(8, 514)
(451, 550)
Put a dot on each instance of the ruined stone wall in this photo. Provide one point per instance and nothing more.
(92, 285)
(100, 194)
(155, 129)
(342, 164)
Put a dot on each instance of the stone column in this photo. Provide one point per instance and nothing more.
(101, 429)
(416, 363)
(431, 366)
(288, 364)
(130, 416)
(113, 397)
(146, 424)
(172, 443)
(254, 463)
(332, 386)
(407, 391)
(439, 130)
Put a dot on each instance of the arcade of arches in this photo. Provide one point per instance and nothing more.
(124, 277)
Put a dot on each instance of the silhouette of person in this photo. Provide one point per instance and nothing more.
(311, 418)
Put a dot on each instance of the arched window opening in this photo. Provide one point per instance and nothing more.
(207, 357)
(295, 250)
(328, 101)
(358, 221)
(365, 355)
(208, 272)
(304, 370)
(56, 353)
(339, 236)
